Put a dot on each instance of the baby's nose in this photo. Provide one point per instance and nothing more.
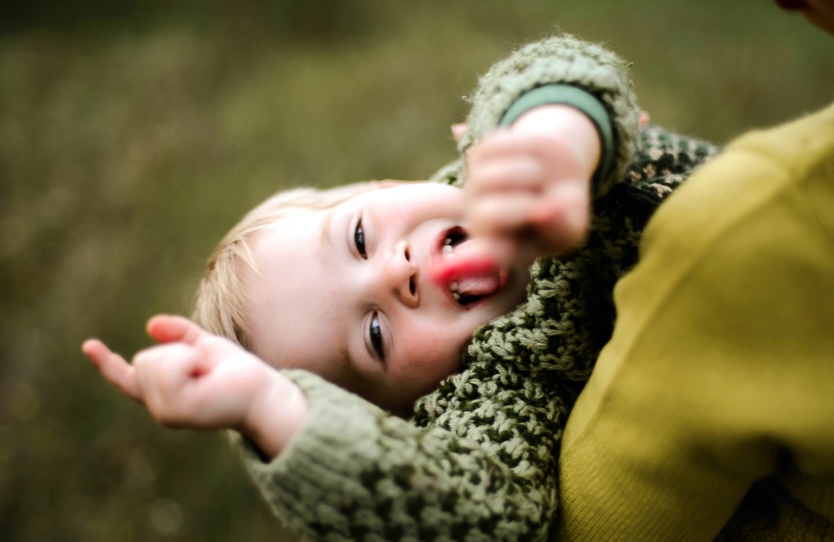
(401, 276)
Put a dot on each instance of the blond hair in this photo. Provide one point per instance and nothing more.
(219, 305)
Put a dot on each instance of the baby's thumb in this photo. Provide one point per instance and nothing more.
(166, 328)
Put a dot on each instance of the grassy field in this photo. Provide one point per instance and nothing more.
(134, 134)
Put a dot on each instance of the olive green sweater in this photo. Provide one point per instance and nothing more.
(478, 459)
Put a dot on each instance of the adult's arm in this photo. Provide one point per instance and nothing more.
(712, 407)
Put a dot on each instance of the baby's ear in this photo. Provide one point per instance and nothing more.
(458, 130)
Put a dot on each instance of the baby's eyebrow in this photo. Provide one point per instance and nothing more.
(326, 238)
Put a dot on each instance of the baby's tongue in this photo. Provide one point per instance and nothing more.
(472, 267)
(477, 284)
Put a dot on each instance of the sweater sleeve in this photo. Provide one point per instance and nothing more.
(560, 70)
(478, 461)
(543, 72)
(357, 473)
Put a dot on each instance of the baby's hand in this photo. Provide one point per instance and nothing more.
(532, 183)
(197, 380)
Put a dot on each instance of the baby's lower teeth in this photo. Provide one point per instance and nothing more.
(453, 287)
(447, 249)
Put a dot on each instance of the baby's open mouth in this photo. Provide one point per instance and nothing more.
(469, 275)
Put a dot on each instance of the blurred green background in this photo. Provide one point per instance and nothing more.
(133, 134)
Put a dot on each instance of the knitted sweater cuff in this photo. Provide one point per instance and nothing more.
(339, 436)
(561, 60)
(578, 99)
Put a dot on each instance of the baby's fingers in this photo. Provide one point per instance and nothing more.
(167, 374)
(113, 367)
(518, 173)
(502, 214)
(555, 222)
(166, 328)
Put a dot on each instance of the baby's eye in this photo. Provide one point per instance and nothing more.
(359, 240)
(375, 333)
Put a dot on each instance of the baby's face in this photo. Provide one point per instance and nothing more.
(346, 293)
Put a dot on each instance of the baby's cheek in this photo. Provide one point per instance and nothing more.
(437, 351)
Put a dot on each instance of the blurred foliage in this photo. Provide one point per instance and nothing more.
(133, 134)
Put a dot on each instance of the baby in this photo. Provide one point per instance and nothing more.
(364, 283)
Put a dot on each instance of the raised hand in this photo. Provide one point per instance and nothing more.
(197, 380)
(532, 182)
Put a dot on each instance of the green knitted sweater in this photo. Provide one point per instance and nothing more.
(478, 459)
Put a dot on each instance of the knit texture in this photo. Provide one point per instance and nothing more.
(559, 60)
(478, 459)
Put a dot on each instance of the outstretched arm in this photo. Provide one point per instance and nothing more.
(193, 379)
